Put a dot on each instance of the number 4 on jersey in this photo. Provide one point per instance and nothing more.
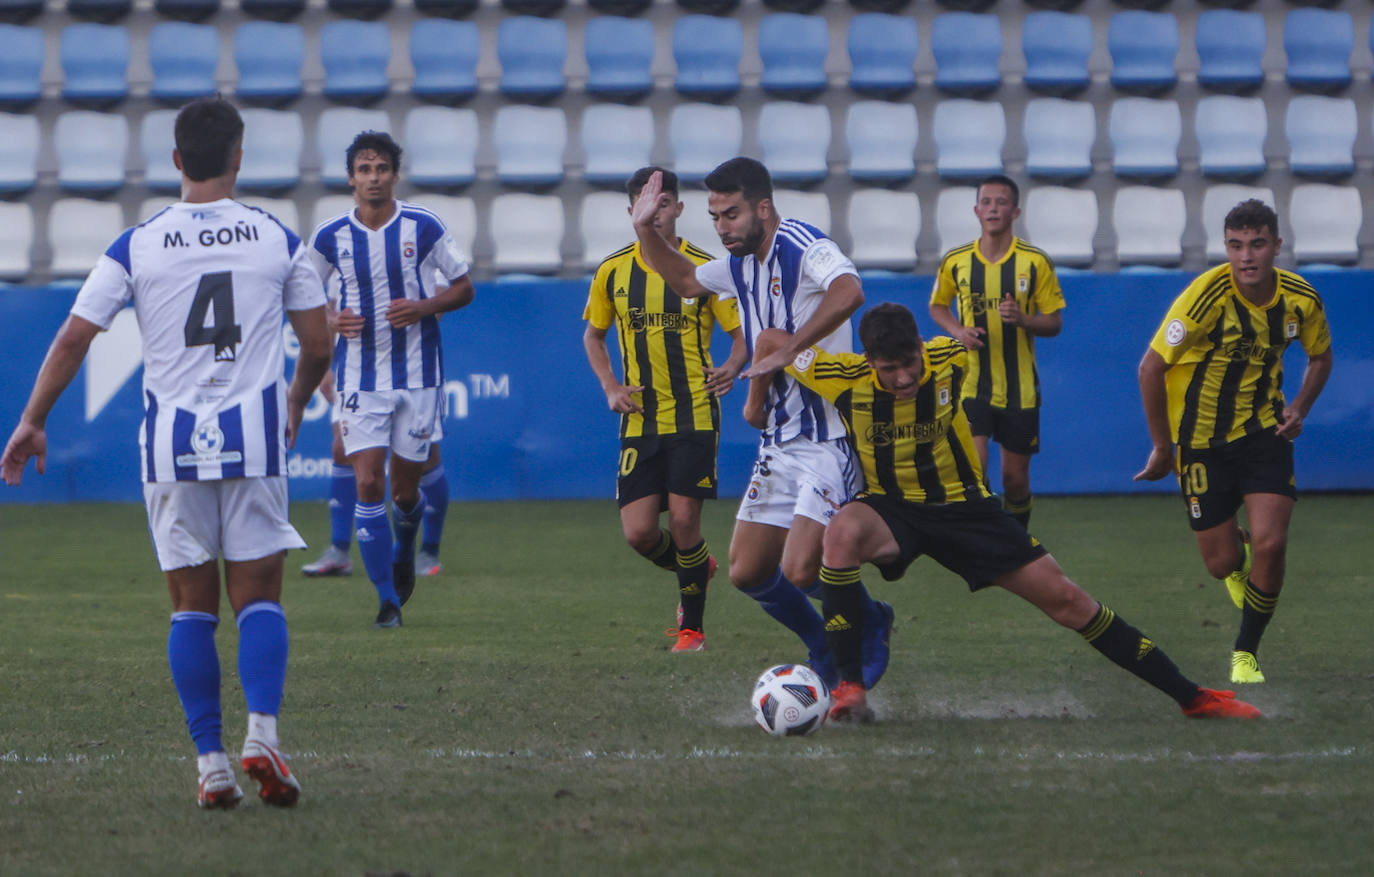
(224, 333)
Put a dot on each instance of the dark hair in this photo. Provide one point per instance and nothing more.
(888, 331)
(207, 132)
(747, 176)
(1253, 214)
(379, 142)
(641, 176)
(1000, 180)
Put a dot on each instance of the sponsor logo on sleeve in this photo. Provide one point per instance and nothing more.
(804, 360)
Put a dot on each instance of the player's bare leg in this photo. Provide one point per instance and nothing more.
(1016, 487)
(1269, 515)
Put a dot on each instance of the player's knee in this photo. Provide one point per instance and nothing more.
(801, 573)
(641, 538)
(1219, 566)
(1269, 545)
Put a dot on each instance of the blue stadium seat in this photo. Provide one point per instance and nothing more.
(605, 227)
(18, 152)
(1143, 46)
(1318, 43)
(533, 7)
(1145, 135)
(882, 138)
(269, 56)
(19, 11)
(969, 135)
(1230, 135)
(186, 10)
(795, 138)
(955, 222)
(21, 65)
(91, 150)
(1149, 225)
(529, 142)
(458, 213)
(702, 136)
(335, 129)
(882, 54)
(1321, 135)
(360, 8)
(884, 226)
(99, 10)
(532, 52)
(1230, 48)
(1326, 222)
(1062, 222)
(273, 143)
(441, 146)
(709, 7)
(968, 50)
(355, 55)
(707, 51)
(16, 240)
(527, 231)
(1057, 46)
(616, 141)
(447, 8)
(620, 53)
(1059, 138)
(95, 63)
(793, 48)
(276, 10)
(620, 7)
(183, 57)
(79, 232)
(444, 54)
(156, 141)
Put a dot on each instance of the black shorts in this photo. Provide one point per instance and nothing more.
(683, 463)
(976, 539)
(1215, 481)
(1015, 429)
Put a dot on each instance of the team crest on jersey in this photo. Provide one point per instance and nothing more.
(753, 492)
(775, 287)
(1175, 332)
(408, 249)
(1194, 507)
(1022, 282)
(942, 392)
(1290, 329)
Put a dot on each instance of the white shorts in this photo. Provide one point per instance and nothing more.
(406, 421)
(799, 477)
(194, 522)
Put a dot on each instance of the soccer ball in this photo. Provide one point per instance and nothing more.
(790, 700)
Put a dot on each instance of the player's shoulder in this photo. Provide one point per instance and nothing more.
(419, 213)
(331, 225)
(956, 253)
(615, 259)
(799, 234)
(942, 349)
(693, 252)
(253, 212)
(1206, 293)
(1293, 284)
(1028, 250)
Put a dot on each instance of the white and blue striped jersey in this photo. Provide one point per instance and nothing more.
(211, 284)
(783, 293)
(405, 258)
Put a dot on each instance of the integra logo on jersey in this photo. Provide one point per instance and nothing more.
(1251, 350)
(207, 444)
(883, 433)
(641, 320)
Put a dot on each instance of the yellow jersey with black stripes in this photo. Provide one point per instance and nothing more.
(1003, 372)
(1225, 354)
(665, 341)
(920, 450)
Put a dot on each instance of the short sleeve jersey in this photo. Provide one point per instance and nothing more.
(782, 292)
(403, 259)
(1003, 371)
(665, 341)
(1226, 355)
(920, 450)
(210, 284)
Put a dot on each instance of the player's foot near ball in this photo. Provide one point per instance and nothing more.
(688, 640)
(849, 703)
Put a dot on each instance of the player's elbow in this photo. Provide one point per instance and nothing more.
(769, 341)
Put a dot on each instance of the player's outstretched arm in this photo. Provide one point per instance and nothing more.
(842, 298)
(64, 358)
(769, 342)
(1155, 398)
(679, 271)
(312, 331)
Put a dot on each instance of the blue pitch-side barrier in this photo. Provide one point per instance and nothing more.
(528, 421)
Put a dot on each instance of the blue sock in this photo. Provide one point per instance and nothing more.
(435, 487)
(406, 524)
(263, 645)
(374, 544)
(343, 496)
(815, 590)
(195, 673)
(790, 607)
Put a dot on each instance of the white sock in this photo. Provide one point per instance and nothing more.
(212, 761)
(263, 727)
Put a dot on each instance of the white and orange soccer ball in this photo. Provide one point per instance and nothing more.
(790, 700)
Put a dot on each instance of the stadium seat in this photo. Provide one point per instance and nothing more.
(969, 136)
(1057, 46)
(1326, 223)
(269, 56)
(1217, 201)
(881, 137)
(91, 150)
(695, 223)
(709, 7)
(355, 55)
(1321, 134)
(1318, 43)
(19, 142)
(955, 223)
(283, 209)
(1230, 48)
(707, 51)
(273, 144)
(884, 226)
(156, 142)
(79, 232)
(702, 136)
(21, 65)
(968, 50)
(458, 214)
(359, 8)
(810, 207)
(1144, 47)
(620, 53)
(440, 146)
(533, 7)
(277, 10)
(16, 240)
(99, 10)
(19, 11)
(795, 138)
(1062, 222)
(616, 141)
(444, 55)
(1230, 135)
(186, 10)
(620, 7)
(447, 8)
(1149, 225)
(1059, 137)
(326, 208)
(527, 233)
(1145, 135)
(605, 226)
(183, 57)
(532, 52)
(95, 63)
(882, 54)
(336, 128)
(529, 145)
(793, 48)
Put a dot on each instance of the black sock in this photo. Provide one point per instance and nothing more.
(693, 569)
(1020, 509)
(664, 554)
(1131, 650)
(843, 608)
(1254, 617)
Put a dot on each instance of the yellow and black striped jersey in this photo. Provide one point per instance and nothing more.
(1003, 372)
(665, 341)
(1226, 354)
(919, 450)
